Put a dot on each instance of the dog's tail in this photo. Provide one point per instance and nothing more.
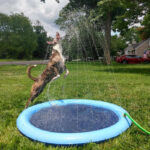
(29, 73)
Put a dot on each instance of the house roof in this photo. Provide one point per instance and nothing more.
(136, 45)
(140, 43)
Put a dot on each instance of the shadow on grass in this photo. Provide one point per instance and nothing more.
(144, 71)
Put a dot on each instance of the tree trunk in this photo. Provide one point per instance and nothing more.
(83, 51)
(107, 36)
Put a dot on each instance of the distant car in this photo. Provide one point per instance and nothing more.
(132, 59)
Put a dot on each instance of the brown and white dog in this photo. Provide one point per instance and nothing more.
(55, 67)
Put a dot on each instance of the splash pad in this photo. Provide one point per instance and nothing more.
(73, 121)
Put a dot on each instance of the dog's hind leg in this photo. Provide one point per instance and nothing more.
(32, 97)
(57, 74)
(29, 101)
(36, 89)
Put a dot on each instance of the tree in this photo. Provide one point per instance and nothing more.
(144, 31)
(77, 26)
(105, 14)
(118, 44)
(41, 36)
(4, 34)
(101, 12)
(135, 10)
(132, 35)
(18, 39)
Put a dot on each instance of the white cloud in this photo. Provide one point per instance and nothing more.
(46, 13)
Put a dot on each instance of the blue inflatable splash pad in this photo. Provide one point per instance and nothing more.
(73, 121)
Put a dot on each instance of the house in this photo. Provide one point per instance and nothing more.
(138, 48)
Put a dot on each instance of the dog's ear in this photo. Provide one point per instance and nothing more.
(57, 1)
(43, 1)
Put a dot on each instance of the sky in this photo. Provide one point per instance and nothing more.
(46, 12)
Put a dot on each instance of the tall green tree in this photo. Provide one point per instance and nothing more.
(108, 15)
(77, 26)
(105, 15)
(101, 12)
(41, 35)
(118, 44)
(135, 11)
(144, 31)
(4, 34)
(17, 37)
(131, 35)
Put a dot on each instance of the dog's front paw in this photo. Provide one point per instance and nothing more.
(66, 74)
(56, 77)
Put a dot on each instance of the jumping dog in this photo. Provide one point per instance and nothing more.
(55, 67)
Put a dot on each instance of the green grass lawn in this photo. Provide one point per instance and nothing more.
(124, 85)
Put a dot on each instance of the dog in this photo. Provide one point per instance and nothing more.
(55, 67)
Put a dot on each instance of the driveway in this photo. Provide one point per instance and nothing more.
(33, 62)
